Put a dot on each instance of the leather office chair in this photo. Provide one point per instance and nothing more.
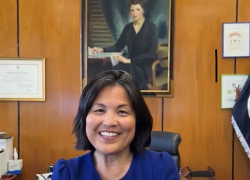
(168, 142)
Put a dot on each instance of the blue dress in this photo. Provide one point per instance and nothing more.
(148, 165)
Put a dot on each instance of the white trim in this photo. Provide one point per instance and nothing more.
(241, 137)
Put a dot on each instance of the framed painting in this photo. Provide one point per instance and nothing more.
(130, 35)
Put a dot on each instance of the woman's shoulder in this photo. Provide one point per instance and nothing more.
(61, 170)
(153, 157)
(79, 160)
(157, 156)
(129, 25)
(150, 25)
(64, 168)
(162, 163)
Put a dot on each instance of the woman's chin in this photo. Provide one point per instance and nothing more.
(108, 151)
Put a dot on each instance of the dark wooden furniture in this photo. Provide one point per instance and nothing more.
(208, 174)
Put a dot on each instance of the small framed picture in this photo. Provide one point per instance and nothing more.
(236, 39)
(231, 86)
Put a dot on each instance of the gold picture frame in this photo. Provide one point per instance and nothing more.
(100, 29)
(22, 79)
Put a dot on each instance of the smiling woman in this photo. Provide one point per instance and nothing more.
(98, 95)
(114, 123)
(110, 123)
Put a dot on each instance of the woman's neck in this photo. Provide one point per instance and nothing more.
(139, 22)
(110, 160)
(115, 165)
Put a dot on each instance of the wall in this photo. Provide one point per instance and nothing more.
(8, 48)
(195, 110)
(51, 29)
(46, 31)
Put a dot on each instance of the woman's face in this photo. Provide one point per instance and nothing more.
(136, 12)
(110, 123)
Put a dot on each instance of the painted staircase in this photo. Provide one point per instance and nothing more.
(99, 34)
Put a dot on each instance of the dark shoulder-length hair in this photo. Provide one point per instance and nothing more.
(143, 116)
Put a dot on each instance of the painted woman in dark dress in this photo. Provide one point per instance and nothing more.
(141, 38)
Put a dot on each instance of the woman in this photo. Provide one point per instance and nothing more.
(141, 38)
(114, 123)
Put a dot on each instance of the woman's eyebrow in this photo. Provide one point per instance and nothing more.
(119, 106)
(123, 105)
(98, 104)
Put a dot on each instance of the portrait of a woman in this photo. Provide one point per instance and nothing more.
(141, 39)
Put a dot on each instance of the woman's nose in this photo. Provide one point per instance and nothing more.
(110, 119)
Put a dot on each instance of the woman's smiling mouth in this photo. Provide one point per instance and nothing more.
(109, 134)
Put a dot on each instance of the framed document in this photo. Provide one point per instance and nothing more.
(231, 86)
(235, 40)
(22, 79)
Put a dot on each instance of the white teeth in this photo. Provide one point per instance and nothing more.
(110, 134)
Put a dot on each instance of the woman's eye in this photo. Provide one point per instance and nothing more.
(122, 112)
(99, 110)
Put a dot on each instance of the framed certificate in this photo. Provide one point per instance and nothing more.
(235, 40)
(22, 79)
(231, 86)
